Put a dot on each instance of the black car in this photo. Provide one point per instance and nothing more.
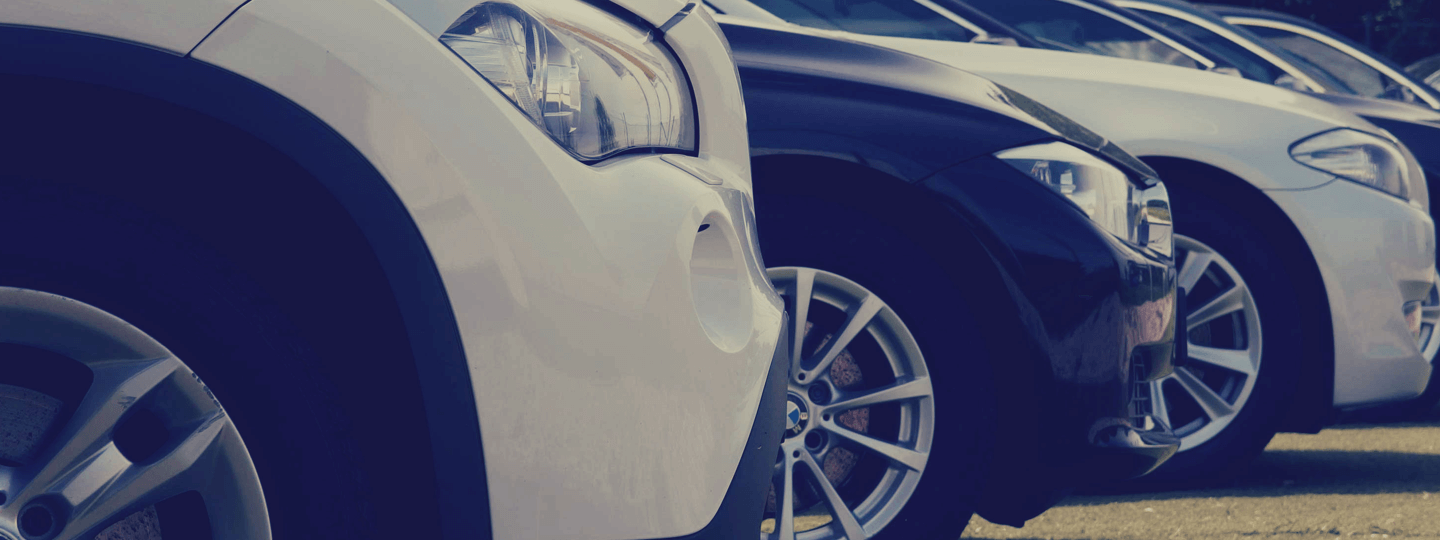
(984, 289)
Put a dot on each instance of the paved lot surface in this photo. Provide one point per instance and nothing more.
(1353, 480)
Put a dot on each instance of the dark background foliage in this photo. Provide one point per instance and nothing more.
(1404, 30)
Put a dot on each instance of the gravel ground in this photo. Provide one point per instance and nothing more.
(1353, 480)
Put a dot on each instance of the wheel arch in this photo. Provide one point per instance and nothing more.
(408, 276)
(1018, 362)
(1312, 409)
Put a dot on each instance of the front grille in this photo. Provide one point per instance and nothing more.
(1142, 405)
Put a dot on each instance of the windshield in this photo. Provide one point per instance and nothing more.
(895, 18)
(1082, 29)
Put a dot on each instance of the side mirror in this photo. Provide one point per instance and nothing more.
(1289, 81)
(1398, 92)
(996, 40)
(1227, 70)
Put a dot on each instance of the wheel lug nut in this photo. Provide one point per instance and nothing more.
(815, 440)
(820, 394)
(39, 521)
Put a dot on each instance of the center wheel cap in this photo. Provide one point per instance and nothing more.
(796, 416)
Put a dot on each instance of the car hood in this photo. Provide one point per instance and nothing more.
(800, 50)
(1004, 63)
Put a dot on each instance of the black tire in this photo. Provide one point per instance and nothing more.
(1235, 236)
(804, 231)
(314, 432)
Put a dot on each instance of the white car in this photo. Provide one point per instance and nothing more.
(1278, 228)
(455, 269)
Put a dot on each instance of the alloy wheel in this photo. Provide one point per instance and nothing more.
(860, 417)
(1204, 395)
(117, 427)
(1429, 342)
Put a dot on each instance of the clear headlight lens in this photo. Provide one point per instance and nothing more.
(596, 83)
(1357, 156)
(1100, 189)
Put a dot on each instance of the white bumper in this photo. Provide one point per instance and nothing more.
(1375, 253)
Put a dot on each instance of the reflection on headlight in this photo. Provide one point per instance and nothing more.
(1100, 189)
(1356, 156)
(597, 84)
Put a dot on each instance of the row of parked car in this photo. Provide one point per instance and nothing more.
(492, 268)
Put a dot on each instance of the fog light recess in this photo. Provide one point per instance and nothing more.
(718, 284)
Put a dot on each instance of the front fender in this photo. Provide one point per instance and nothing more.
(167, 25)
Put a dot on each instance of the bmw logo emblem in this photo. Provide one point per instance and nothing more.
(796, 416)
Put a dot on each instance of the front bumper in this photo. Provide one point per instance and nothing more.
(1122, 439)
(744, 503)
(1097, 320)
(1375, 253)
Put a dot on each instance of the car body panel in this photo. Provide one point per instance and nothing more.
(571, 284)
(164, 24)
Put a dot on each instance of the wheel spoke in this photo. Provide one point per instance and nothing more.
(904, 457)
(804, 290)
(785, 521)
(1214, 406)
(855, 321)
(1230, 301)
(1430, 314)
(1195, 265)
(1158, 408)
(899, 391)
(842, 514)
(100, 495)
(86, 438)
(1231, 359)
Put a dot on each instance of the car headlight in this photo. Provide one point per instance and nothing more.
(1356, 156)
(596, 83)
(1100, 189)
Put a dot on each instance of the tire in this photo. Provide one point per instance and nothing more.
(1255, 346)
(319, 437)
(805, 234)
